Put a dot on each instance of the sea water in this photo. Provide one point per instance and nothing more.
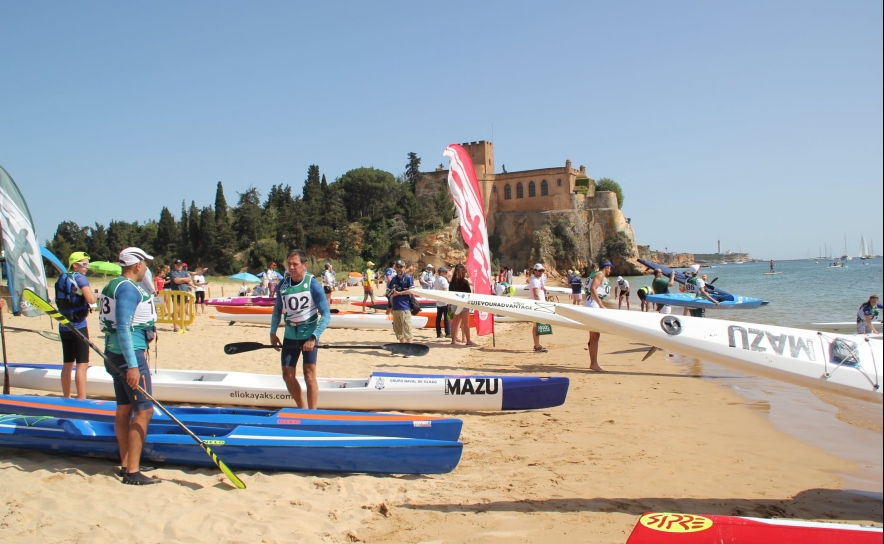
(808, 291)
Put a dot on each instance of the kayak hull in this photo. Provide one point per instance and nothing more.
(330, 421)
(381, 391)
(243, 447)
(798, 356)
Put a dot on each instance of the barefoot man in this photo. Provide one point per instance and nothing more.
(597, 289)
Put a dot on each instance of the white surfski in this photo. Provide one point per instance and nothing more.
(338, 321)
(802, 357)
(519, 309)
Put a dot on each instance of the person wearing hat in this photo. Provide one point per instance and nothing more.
(126, 313)
(536, 291)
(74, 299)
(597, 289)
(697, 287)
(440, 283)
(576, 284)
(180, 282)
(867, 313)
(427, 277)
(623, 288)
(399, 303)
(367, 288)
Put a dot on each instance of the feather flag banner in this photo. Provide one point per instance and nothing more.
(467, 198)
(24, 262)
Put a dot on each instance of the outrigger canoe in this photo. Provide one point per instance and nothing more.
(381, 391)
(243, 447)
(327, 421)
(849, 365)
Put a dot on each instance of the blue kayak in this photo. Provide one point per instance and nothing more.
(681, 278)
(330, 421)
(243, 447)
(688, 300)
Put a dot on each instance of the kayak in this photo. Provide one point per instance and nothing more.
(848, 365)
(381, 391)
(841, 326)
(353, 320)
(242, 301)
(667, 527)
(688, 300)
(328, 421)
(517, 309)
(243, 447)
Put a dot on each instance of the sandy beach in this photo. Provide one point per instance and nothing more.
(644, 436)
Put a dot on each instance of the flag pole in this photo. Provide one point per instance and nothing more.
(2, 328)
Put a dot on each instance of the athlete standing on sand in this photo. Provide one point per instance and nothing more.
(126, 312)
(302, 300)
(598, 288)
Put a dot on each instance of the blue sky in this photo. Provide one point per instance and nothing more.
(756, 122)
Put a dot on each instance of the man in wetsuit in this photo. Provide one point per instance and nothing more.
(301, 302)
(125, 313)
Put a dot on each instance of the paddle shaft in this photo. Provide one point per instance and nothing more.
(5, 364)
(52, 312)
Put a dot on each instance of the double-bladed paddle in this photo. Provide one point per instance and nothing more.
(409, 350)
(35, 299)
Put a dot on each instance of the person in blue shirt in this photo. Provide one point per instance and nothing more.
(74, 299)
(126, 313)
(399, 303)
(301, 302)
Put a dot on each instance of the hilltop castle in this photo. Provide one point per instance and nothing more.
(521, 208)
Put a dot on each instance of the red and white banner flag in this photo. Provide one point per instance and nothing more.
(468, 200)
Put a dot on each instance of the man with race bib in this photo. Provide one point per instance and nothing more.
(597, 289)
(301, 301)
(697, 287)
(126, 312)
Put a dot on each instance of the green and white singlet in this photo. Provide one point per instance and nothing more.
(145, 313)
(602, 290)
(300, 313)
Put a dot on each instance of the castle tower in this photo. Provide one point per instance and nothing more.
(482, 155)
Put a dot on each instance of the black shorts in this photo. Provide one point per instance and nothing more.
(642, 295)
(73, 348)
(327, 289)
(289, 357)
(624, 294)
(126, 395)
(200, 297)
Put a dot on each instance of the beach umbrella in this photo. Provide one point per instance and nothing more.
(245, 276)
(107, 268)
(278, 275)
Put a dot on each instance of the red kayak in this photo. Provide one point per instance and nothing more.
(669, 528)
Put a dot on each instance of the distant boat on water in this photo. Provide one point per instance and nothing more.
(864, 252)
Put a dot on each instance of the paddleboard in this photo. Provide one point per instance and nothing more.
(802, 357)
(338, 321)
(688, 300)
(381, 391)
(771, 273)
(671, 528)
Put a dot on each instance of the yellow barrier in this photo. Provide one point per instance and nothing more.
(175, 307)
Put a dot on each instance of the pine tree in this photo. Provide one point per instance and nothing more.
(167, 235)
(185, 250)
(96, 244)
(207, 232)
(193, 230)
(413, 171)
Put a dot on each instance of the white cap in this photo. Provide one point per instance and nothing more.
(538, 266)
(429, 266)
(695, 268)
(133, 255)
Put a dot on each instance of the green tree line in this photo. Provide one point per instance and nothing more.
(362, 215)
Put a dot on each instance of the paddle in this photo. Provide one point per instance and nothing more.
(45, 334)
(44, 306)
(409, 350)
(649, 353)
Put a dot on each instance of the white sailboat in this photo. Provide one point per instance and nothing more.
(846, 257)
(864, 249)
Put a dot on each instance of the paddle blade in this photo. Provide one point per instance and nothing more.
(243, 347)
(409, 350)
(227, 472)
(649, 353)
